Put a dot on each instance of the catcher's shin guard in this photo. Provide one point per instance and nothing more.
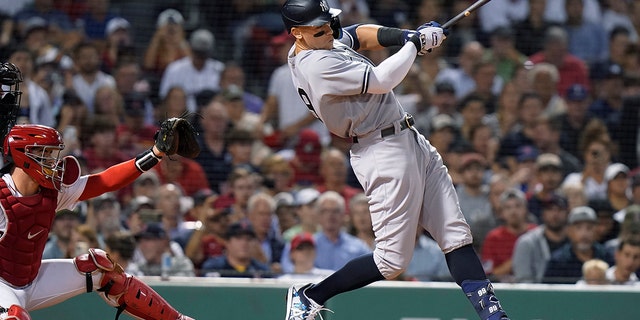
(123, 290)
(15, 312)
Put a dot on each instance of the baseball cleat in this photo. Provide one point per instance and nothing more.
(299, 307)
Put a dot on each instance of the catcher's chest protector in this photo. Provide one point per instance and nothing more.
(29, 220)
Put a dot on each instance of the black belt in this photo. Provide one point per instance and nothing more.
(389, 131)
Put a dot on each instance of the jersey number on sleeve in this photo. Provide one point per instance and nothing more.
(307, 102)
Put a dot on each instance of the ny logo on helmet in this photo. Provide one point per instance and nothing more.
(324, 6)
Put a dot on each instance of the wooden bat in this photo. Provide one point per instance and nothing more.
(464, 13)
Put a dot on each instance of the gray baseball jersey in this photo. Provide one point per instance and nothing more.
(403, 176)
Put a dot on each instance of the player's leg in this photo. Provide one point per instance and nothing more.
(444, 221)
(391, 181)
(128, 293)
(11, 304)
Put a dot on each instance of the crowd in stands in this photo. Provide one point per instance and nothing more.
(533, 105)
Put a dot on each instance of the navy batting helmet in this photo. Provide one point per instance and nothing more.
(307, 13)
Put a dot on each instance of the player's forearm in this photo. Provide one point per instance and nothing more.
(368, 37)
(392, 71)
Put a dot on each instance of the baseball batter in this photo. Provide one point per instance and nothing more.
(402, 174)
(35, 183)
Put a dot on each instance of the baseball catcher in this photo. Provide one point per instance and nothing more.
(36, 183)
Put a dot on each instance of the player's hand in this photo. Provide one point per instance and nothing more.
(428, 36)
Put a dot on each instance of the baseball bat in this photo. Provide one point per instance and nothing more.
(464, 13)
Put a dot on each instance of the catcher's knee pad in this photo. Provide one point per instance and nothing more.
(124, 291)
(15, 312)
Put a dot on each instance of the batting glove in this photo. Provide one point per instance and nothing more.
(428, 37)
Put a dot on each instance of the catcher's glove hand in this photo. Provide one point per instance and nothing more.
(177, 135)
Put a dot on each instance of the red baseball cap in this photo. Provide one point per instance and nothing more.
(301, 239)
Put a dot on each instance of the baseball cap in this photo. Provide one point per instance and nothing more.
(602, 207)
(104, 200)
(202, 41)
(502, 32)
(527, 153)
(33, 24)
(306, 196)
(241, 136)
(468, 159)
(152, 231)
(445, 87)
(200, 196)
(513, 193)
(141, 202)
(169, 16)
(554, 200)
(115, 24)
(146, 177)
(284, 199)
(548, 160)
(442, 121)
(577, 92)
(582, 214)
(301, 239)
(239, 229)
(631, 221)
(308, 148)
(232, 93)
(613, 170)
(68, 213)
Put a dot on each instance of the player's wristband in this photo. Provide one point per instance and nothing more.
(389, 37)
(147, 160)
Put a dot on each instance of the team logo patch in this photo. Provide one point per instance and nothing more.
(434, 38)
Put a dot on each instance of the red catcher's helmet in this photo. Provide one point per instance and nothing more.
(36, 149)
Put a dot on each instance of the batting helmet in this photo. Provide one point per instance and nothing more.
(36, 150)
(307, 13)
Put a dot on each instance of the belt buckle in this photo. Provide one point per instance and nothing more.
(406, 120)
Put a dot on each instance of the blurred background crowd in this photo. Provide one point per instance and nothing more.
(533, 106)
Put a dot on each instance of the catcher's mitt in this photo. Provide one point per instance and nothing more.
(177, 135)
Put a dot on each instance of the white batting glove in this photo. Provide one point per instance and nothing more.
(430, 37)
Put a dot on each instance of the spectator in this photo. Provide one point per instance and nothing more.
(555, 11)
(616, 177)
(241, 184)
(533, 249)
(497, 248)
(507, 109)
(532, 28)
(360, 219)
(35, 106)
(261, 217)
(89, 78)
(627, 263)
(306, 161)
(185, 172)
(234, 75)
(195, 72)
(207, 240)
(152, 243)
(565, 264)
(502, 13)
(134, 135)
(461, 77)
(594, 272)
(609, 87)
(237, 260)
(130, 83)
(146, 185)
(118, 42)
(141, 210)
(335, 246)
(544, 78)
(168, 43)
(83, 237)
(444, 136)
(587, 39)
(168, 201)
(60, 26)
(575, 194)
(71, 119)
(548, 172)
(428, 262)
(101, 150)
(285, 211)
(503, 53)
(617, 14)
(108, 103)
(530, 107)
(488, 83)
(95, 21)
(575, 120)
(213, 156)
(305, 200)
(104, 216)
(595, 146)
(58, 244)
(473, 195)
(240, 147)
(443, 101)
(334, 166)
(484, 141)
(303, 256)
(120, 247)
(546, 138)
(607, 228)
(629, 228)
(473, 109)
(277, 173)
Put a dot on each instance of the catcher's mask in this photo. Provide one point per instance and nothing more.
(315, 13)
(10, 94)
(36, 150)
